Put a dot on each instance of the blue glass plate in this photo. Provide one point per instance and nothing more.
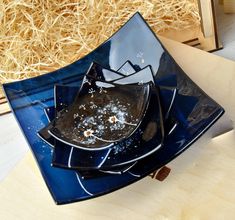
(136, 42)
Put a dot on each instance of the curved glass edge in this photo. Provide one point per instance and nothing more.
(8, 88)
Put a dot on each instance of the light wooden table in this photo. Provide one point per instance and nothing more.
(200, 186)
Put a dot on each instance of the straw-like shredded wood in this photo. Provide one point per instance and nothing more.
(39, 36)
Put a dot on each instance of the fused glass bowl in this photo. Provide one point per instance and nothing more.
(191, 113)
(101, 117)
(147, 139)
(69, 157)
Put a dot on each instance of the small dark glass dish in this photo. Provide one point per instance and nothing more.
(101, 116)
(129, 150)
(69, 157)
(62, 157)
(61, 101)
(149, 134)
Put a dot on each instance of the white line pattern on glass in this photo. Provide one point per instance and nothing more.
(102, 162)
(119, 172)
(83, 186)
(172, 129)
(135, 175)
(70, 156)
(172, 100)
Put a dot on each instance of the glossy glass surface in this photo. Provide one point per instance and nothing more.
(62, 158)
(194, 111)
(130, 150)
(101, 115)
(62, 154)
(146, 140)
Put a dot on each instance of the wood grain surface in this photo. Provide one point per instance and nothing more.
(4, 107)
(229, 6)
(200, 186)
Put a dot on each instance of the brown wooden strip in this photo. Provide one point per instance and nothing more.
(4, 108)
(4, 113)
(1, 92)
(3, 100)
(214, 50)
(195, 45)
(190, 41)
(217, 43)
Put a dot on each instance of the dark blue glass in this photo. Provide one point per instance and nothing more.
(136, 42)
(62, 156)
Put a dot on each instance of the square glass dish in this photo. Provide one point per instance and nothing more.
(191, 111)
